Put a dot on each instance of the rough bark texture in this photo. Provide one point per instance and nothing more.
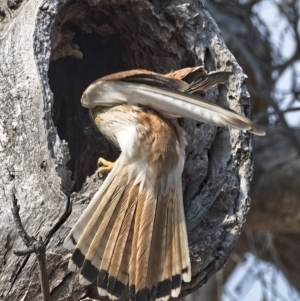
(43, 126)
(249, 48)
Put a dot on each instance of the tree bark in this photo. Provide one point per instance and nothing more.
(50, 51)
(250, 48)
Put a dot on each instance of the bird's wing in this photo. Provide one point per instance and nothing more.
(190, 80)
(203, 83)
(188, 74)
(170, 103)
(142, 76)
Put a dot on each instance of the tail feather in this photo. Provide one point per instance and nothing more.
(165, 286)
(74, 235)
(162, 252)
(134, 250)
(134, 236)
(185, 257)
(115, 230)
(118, 282)
(93, 222)
(118, 266)
(158, 245)
(144, 257)
(108, 226)
(177, 268)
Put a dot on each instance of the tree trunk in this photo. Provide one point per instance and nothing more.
(50, 51)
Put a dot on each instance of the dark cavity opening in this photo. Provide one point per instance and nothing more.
(69, 77)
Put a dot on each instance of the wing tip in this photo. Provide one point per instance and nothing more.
(243, 123)
(252, 128)
(257, 130)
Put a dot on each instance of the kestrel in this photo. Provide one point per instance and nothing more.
(133, 232)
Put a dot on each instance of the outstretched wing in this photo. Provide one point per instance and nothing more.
(160, 93)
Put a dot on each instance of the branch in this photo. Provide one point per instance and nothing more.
(34, 246)
(37, 246)
(289, 133)
(259, 116)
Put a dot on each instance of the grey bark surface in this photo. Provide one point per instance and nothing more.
(250, 49)
(50, 51)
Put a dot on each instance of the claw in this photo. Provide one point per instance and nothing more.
(104, 166)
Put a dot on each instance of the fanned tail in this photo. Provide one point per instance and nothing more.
(132, 236)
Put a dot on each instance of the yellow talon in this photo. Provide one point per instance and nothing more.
(104, 166)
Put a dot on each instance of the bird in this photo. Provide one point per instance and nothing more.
(133, 233)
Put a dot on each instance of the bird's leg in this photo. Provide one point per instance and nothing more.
(104, 166)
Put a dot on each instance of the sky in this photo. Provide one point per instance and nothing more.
(256, 280)
(284, 41)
